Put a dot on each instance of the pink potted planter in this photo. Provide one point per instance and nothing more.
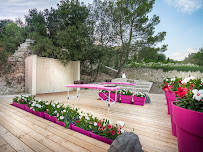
(126, 99)
(21, 106)
(82, 131)
(139, 100)
(112, 96)
(61, 123)
(103, 96)
(100, 138)
(166, 95)
(37, 113)
(15, 104)
(28, 109)
(189, 126)
(171, 97)
(50, 118)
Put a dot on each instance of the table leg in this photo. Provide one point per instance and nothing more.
(68, 95)
(115, 99)
(109, 102)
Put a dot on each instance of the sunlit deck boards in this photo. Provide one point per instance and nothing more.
(21, 130)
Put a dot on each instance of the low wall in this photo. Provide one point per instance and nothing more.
(159, 75)
(46, 75)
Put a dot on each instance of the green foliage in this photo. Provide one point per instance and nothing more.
(11, 36)
(198, 57)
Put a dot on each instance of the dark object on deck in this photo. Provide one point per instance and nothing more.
(79, 82)
(108, 80)
(127, 142)
(147, 99)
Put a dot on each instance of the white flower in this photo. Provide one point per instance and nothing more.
(87, 118)
(122, 131)
(58, 106)
(57, 114)
(198, 95)
(55, 111)
(121, 123)
(95, 124)
(46, 103)
(61, 117)
(173, 79)
(110, 122)
(64, 110)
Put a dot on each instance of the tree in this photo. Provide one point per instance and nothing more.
(131, 28)
(198, 57)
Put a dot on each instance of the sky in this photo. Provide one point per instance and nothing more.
(182, 20)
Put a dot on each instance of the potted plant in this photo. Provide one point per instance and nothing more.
(170, 86)
(67, 116)
(187, 114)
(103, 94)
(15, 101)
(113, 96)
(51, 111)
(38, 108)
(126, 96)
(105, 131)
(29, 99)
(83, 125)
(139, 98)
(22, 102)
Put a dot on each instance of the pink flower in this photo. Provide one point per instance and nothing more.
(99, 125)
(23, 100)
(102, 129)
(118, 132)
(181, 92)
(113, 132)
(109, 126)
(77, 121)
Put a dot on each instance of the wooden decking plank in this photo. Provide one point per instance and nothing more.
(13, 141)
(7, 148)
(2, 142)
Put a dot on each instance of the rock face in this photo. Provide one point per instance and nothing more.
(127, 142)
(159, 75)
(14, 80)
(147, 99)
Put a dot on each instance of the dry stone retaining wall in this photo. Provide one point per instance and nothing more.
(159, 75)
(14, 81)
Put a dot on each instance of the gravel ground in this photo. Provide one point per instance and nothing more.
(156, 88)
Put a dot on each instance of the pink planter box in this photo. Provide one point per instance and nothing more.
(37, 113)
(15, 104)
(171, 97)
(50, 118)
(100, 138)
(139, 100)
(103, 96)
(126, 99)
(166, 95)
(63, 124)
(189, 126)
(28, 109)
(21, 106)
(112, 96)
(82, 131)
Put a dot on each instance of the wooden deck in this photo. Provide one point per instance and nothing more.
(22, 131)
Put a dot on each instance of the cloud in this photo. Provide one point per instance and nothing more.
(186, 6)
(179, 56)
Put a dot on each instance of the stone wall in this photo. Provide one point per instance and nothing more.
(159, 75)
(14, 81)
